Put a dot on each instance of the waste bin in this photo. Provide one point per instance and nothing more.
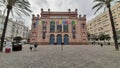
(7, 50)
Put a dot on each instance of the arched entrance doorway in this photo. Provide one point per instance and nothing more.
(66, 39)
(52, 39)
(59, 39)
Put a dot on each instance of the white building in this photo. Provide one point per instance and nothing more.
(19, 29)
(14, 28)
(1, 23)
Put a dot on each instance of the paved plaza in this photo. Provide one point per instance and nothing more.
(84, 56)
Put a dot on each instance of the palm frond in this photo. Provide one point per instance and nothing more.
(26, 8)
(1, 5)
(12, 13)
(24, 12)
(4, 1)
(4, 11)
(23, 5)
(18, 13)
(20, 7)
(99, 1)
(98, 9)
(11, 2)
(3, 15)
(97, 5)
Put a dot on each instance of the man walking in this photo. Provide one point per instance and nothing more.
(35, 45)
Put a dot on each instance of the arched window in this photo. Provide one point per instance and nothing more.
(83, 26)
(66, 39)
(59, 39)
(59, 28)
(44, 35)
(44, 23)
(65, 27)
(52, 39)
(73, 31)
(52, 26)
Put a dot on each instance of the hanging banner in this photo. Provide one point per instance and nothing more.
(45, 23)
(35, 23)
(63, 22)
(74, 22)
(60, 22)
(40, 22)
(53, 22)
(57, 22)
(68, 22)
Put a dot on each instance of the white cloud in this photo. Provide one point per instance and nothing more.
(83, 6)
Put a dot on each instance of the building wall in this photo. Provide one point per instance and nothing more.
(14, 28)
(1, 26)
(101, 23)
(20, 29)
(48, 16)
(9, 32)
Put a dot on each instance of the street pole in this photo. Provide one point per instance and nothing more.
(61, 47)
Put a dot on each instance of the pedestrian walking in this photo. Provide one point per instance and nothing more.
(35, 46)
(101, 45)
(31, 47)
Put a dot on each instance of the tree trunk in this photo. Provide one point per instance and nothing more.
(113, 29)
(4, 30)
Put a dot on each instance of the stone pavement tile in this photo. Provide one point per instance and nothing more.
(71, 57)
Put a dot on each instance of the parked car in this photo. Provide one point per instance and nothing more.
(16, 46)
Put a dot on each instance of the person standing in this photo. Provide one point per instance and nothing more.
(31, 47)
(35, 45)
(101, 45)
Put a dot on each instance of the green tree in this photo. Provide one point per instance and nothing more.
(101, 37)
(107, 3)
(19, 6)
(94, 37)
(88, 36)
(107, 37)
(104, 37)
(118, 34)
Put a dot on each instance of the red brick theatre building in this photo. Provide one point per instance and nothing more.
(59, 28)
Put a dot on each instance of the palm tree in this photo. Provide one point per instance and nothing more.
(107, 3)
(20, 7)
